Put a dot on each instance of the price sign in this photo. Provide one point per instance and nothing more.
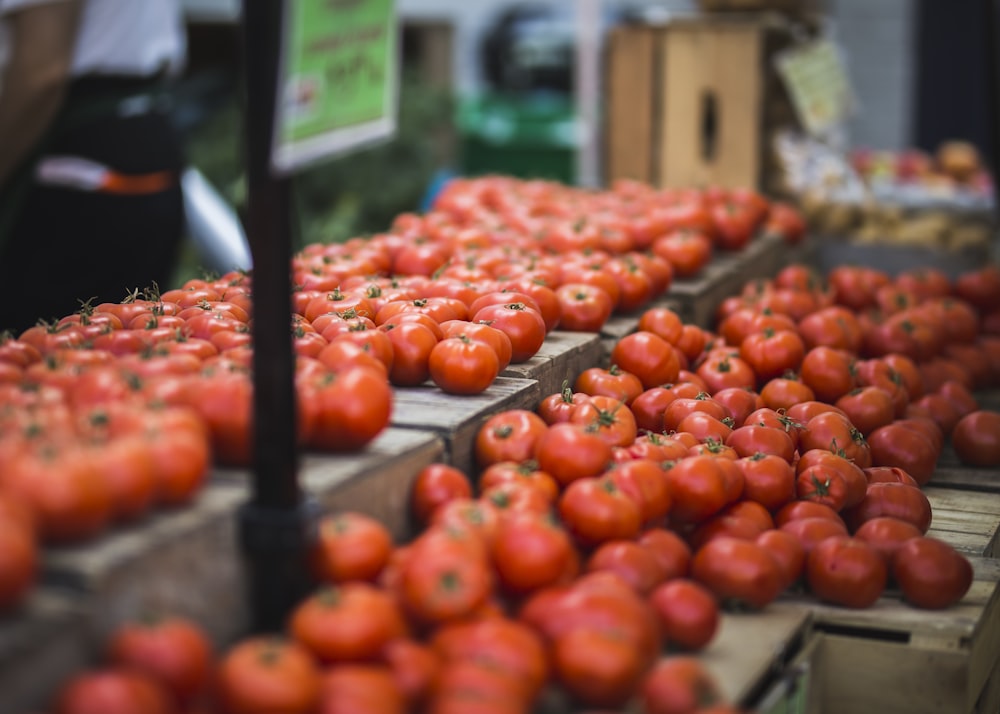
(818, 85)
(338, 79)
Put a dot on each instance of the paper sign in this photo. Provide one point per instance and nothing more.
(817, 83)
(338, 80)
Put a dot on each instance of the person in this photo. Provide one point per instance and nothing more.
(91, 207)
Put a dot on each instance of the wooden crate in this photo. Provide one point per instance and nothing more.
(892, 658)
(696, 102)
(457, 419)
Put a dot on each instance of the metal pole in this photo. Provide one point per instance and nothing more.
(587, 91)
(277, 524)
(992, 20)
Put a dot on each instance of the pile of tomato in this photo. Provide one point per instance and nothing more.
(121, 408)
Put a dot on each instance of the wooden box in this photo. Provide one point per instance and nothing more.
(695, 102)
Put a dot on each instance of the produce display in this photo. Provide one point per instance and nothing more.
(779, 455)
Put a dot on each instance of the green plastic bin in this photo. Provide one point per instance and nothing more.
(531, 136)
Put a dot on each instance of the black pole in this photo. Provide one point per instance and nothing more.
(277, 524)
(992, 18)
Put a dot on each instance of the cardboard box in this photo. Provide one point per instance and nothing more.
(695, 102)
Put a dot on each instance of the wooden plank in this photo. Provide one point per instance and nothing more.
(563, 356)
(966, 477)
(631, 100)
(880, 659)
(189, 561)
(968, 520)
(698, 298)
(457, 419)
(45, 640)
(752, 650)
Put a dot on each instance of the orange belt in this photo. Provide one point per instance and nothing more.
(87, 175)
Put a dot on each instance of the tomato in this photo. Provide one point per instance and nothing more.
(828, 372)
(611, 382)
(347, 623)
(771, 353)
(445, 578)
(361, 687)
(898, 445)
(822, 484)
(173, 651)
(834, 432)
(648, 408)
(768, 480)
(662, 322)
(350, 546)
(706, 429)
(482, 332)
(981, 287)
(847, 572)
(754, 439)
(499, 643)
(225, 403)
(886, 534)
(868, 408)
(650, 357)
(688, 614)
(739, 402)
(459, 365)
(412, 344)
(524, 474)
(937, 408)
(414, 668)
(435, 485)
(644, 482)
(530, 551)
(688, 251)
(724, 524)
(804, 411)
(352, 408)
(737, 571)
(931, 573)
(572, 451)
(834, 326)
(69, 499)
(682, 407)
(976, 438)
(813, 530)
(559, 406)
(522, 324)
(636, 565)
(698, 486)
(787, 551)
(112, 691)
(596, 511)
(855, 286)
(889, 474)
(723, 371)
(891, 499)
(785, 392)
(679, 684)
(596, 668)
(268, 674)
(583, 307)
(593, 275)
(796, 510)
(670, 550)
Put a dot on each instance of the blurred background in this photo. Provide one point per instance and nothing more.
(492, 85)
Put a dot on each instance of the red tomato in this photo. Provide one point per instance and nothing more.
(583, 308)
(350, 546)
(268, 674)
(522, 324)
(571, 451)
(698, 486)
(596, 511)
(688, 614)
(650, 357)
(768, 480)
(886, 534)
(173, 651)
(636, 565)
(114, 691)
(976, 438)
(787, 551)
(459, 365)
(891, 499)
(352, 408)
(847, 572)
(813, 530)
(611, 382)
(738, 570)
(435, 485)
(898, 445)
(931, 573)
(510, 435)
(531, 551)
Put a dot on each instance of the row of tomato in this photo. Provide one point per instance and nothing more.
(614, 521)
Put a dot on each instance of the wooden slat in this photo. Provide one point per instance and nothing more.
(631, 97)
(563, 356)
(457, 419)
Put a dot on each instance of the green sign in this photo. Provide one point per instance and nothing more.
(338, 82)
(817, 82)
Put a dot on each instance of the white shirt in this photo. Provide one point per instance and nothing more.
(123, 37)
